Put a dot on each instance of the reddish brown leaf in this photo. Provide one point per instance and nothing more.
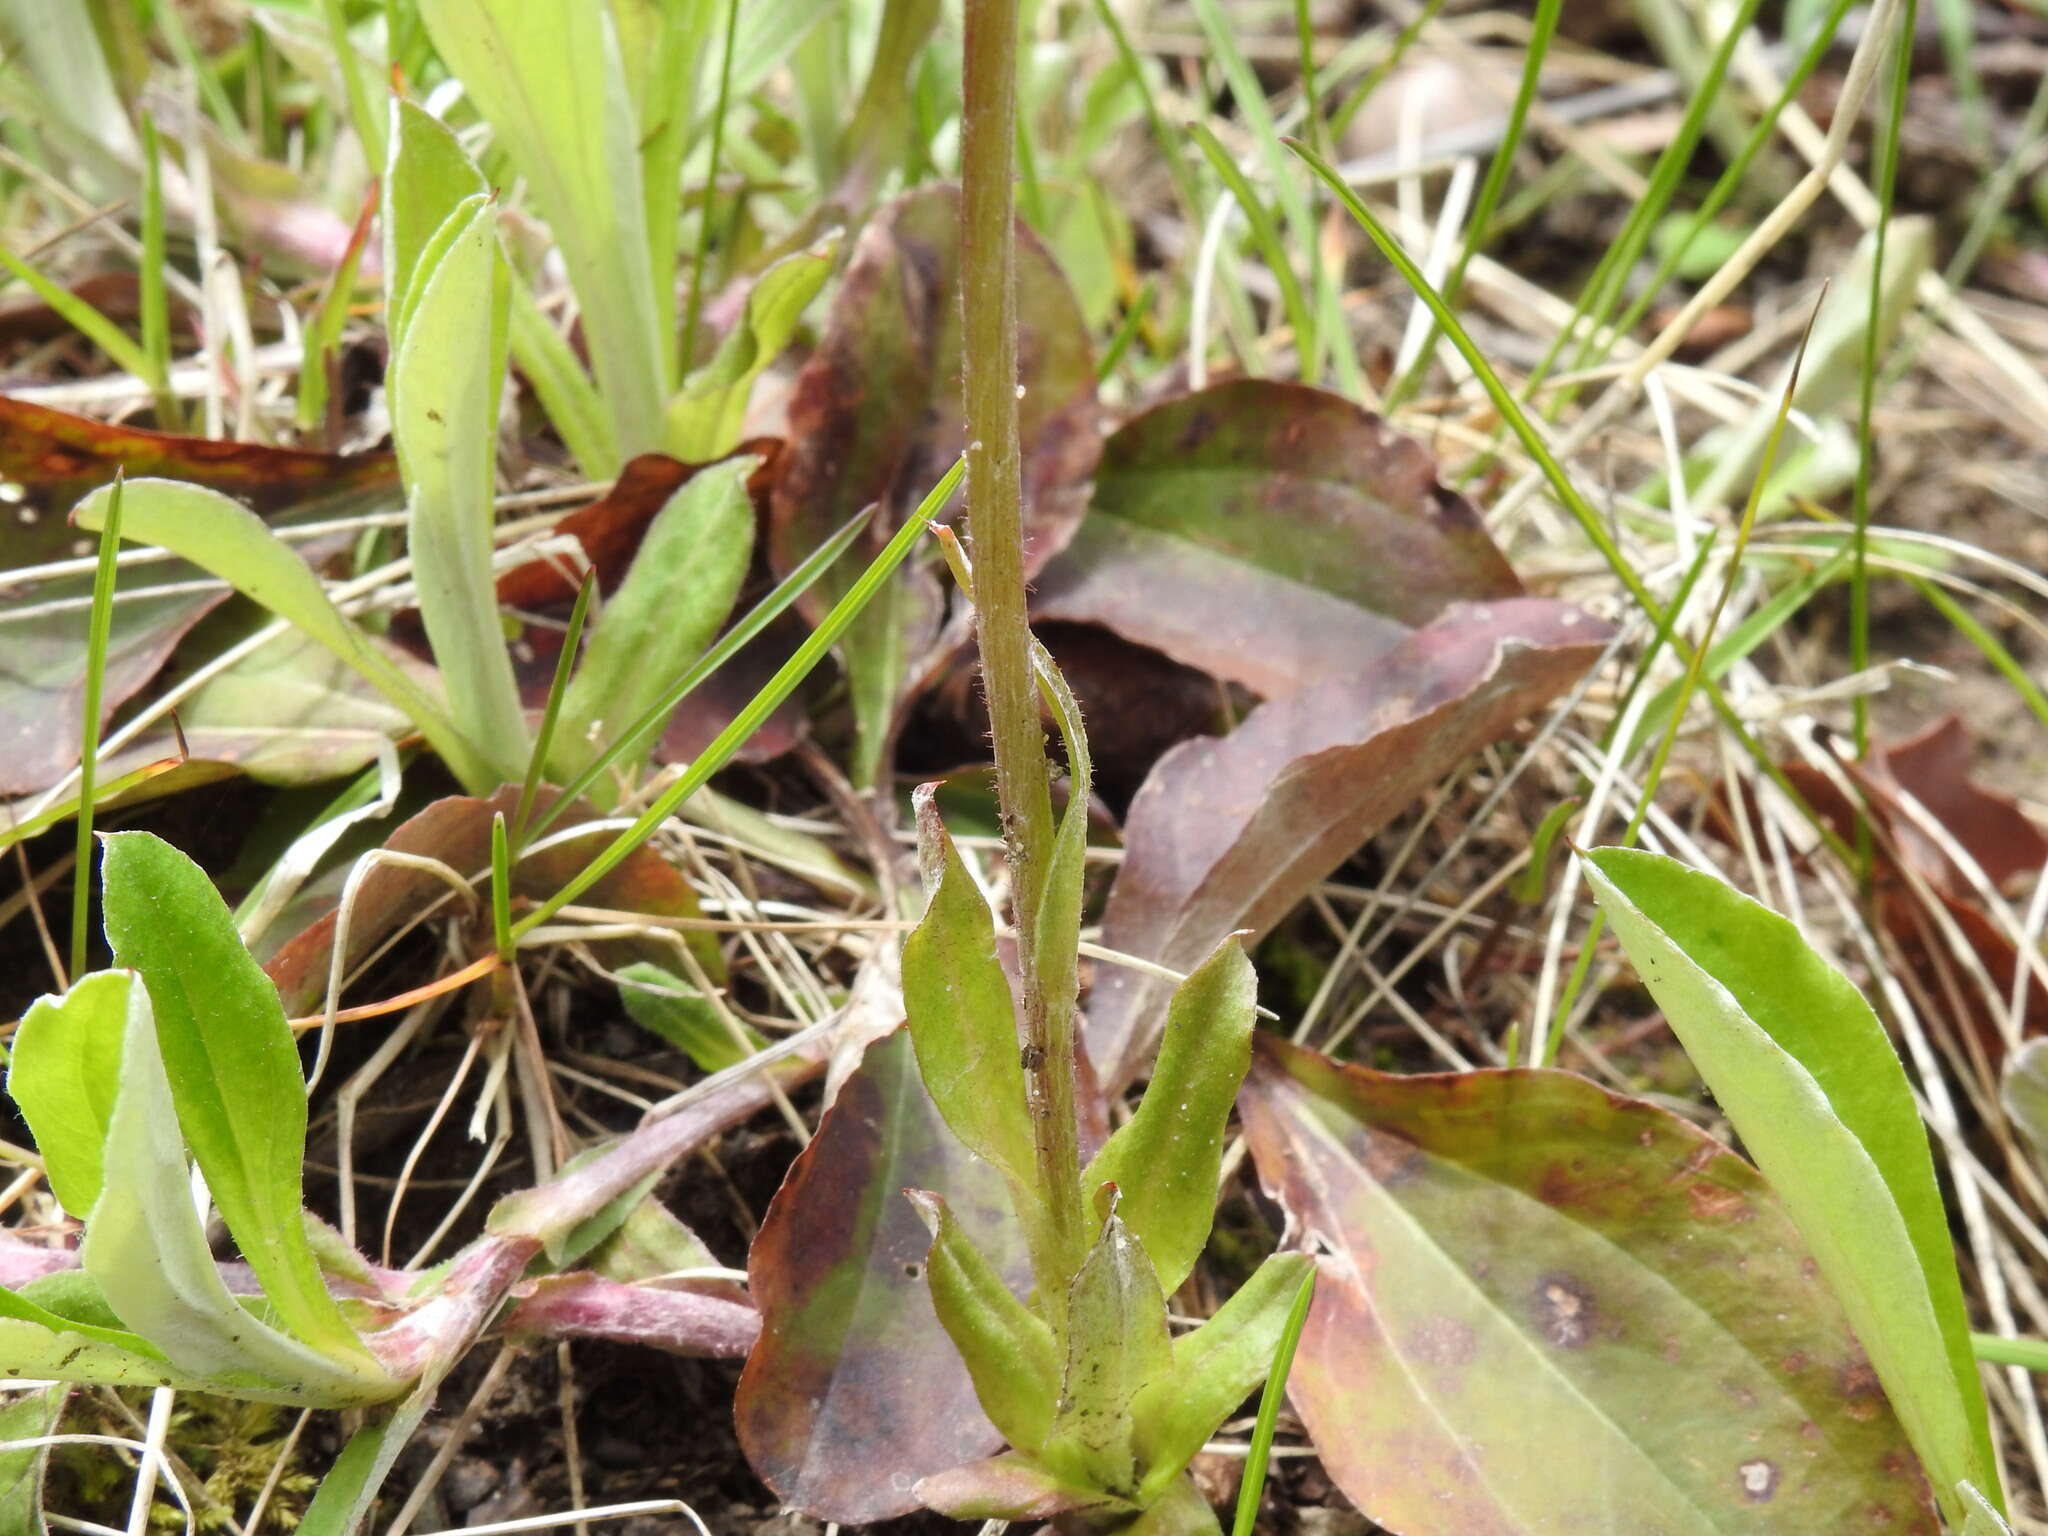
(457, 831)
(57, 458)
(854, 1392)
(1271, 534)
(1934, 768)
(876, 418)
(609, 529)
(1543, 1307)
(1919, 918)
(1229, 833)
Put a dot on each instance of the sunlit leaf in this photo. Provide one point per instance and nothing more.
(548, 76)
(1547, 1308)
(23, 1419)
(62, 1071)
(708, 414)
(233, 1075)
(427, 178)
(145, 1247)
(1805, 1073)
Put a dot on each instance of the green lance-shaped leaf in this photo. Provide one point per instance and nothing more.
(144, 1245)
(1008, 1348)
(548, 76)
(1117, 1345)
(1214, 1369)
(668, 1006)
(1803, 1070)
(63, 1070)
(707, 415)
(963, 1022)
(674, 600)
(226, 538)
(446, 377)
(233, 1074)
(426, 178)
(1980, 1517)
(1165, 1161)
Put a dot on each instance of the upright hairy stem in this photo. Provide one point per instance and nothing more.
(995, 524)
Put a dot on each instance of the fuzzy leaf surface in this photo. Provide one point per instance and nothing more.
(963, 1022)
(447, 377)
(670, 607)
(147, 1251)
(1549, 1309)
(1117, 1345)
(1008, 1349)
(1167, 1158)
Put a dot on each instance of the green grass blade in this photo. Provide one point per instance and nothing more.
(730, 644)
(323, 336)
(1267, 238)
(156, 307)
(1259, 1454)
(760, 707)
(369, 123)
(122, 350)
(99, 626)
(1538, 50)
(565, 664)
(694, 313)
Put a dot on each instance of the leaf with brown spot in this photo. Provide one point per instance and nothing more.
(876, 418)
(1229, 833)
(56, 458)
(854, 1391)
(1525, 1324)
(457, 831)
(1271, 534)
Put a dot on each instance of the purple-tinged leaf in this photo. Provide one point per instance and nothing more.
(1543, 1307)
(1229, 833)
(854, 1391)
(1271, 534)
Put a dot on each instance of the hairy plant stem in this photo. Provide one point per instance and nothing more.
(995, 524)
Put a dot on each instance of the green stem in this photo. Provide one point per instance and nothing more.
(995, 522)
